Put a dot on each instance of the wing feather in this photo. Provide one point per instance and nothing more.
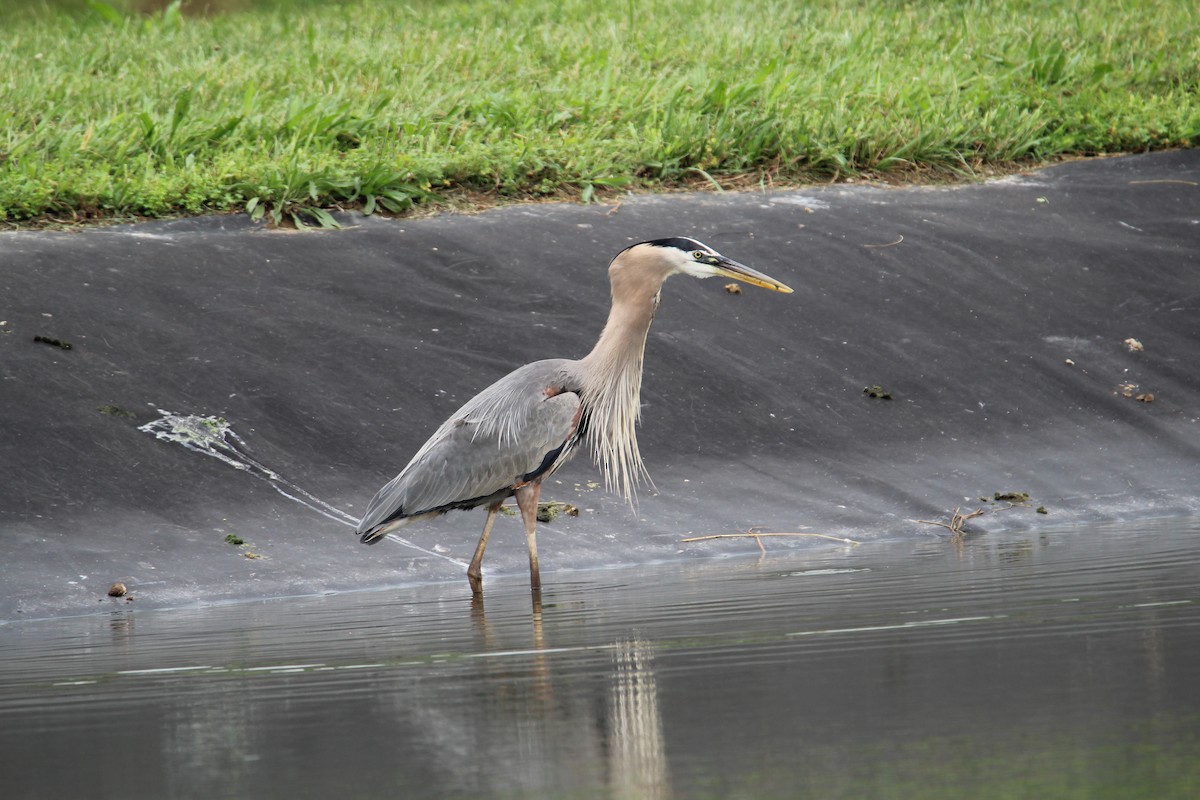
(498, 437)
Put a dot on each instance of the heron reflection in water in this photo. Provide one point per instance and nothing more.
(514, 434)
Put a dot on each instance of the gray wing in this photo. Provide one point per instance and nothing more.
(492, 443)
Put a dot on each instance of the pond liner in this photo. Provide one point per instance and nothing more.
(1035, 335)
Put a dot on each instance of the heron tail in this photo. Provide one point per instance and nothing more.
(379, 531)
(375, 535)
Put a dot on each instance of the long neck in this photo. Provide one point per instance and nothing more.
(612, 384)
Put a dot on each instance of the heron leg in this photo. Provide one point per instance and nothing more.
(527, 501)
(474, 572)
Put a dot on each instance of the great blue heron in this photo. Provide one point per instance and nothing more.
(514, 434)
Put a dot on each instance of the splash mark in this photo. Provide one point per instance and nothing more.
(214, 437)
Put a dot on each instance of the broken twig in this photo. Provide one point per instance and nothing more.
(959, 519)
(889, 244)
(757, 537)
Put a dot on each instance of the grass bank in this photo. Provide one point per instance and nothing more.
(287, 108)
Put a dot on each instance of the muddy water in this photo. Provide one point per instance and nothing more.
(1058, 663)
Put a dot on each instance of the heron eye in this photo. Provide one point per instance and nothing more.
(698, 254)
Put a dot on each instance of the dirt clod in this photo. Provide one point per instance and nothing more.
(50, 340)
(548, 512)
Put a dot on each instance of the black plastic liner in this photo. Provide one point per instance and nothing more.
(172, 388)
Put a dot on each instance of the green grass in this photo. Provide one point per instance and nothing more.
(381, 105)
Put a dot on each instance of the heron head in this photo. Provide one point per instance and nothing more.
(687, 256)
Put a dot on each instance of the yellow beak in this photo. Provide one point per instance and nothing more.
(740, 272)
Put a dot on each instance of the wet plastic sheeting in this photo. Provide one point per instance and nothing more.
(995, 315)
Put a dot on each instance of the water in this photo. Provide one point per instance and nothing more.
(1056, 663)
